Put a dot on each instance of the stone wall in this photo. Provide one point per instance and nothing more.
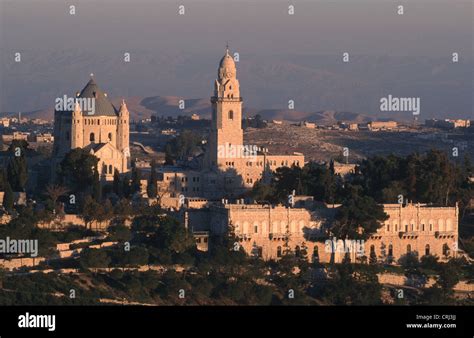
(411, 228)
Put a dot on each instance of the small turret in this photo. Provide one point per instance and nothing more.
(123, 111)
(77, 128)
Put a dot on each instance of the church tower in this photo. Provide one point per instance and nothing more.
(123, 134)
(226, 127)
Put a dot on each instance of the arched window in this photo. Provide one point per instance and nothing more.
(231, 115)
(372, 250)
(92, 137)
(427, 250)
(440, 225)
(110, 136)
(279, 251)
(449, 225)
(390, 250)
(255, 228)
(408, 248)
(110, 169)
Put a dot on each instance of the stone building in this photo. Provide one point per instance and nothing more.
(264, 230)
(382, 125)
(103, 131)
(229, 167)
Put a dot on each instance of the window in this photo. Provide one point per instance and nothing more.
(372, 250)
(110, 136)
(231, 115)
(110, 169)
(445, 249)
(279, 251)
(92, 137)
(390, 250)
(255, 229)
(408, 248)
(427, 250)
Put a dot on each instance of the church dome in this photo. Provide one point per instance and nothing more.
(103, 107)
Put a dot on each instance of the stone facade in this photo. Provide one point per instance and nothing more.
(104, 132)
(229, 167)
(264, 230)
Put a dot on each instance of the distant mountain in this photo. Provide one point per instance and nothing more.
(141, 108)
(170, 106)
(315, 82)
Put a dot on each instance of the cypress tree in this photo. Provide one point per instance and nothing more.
(151, 188)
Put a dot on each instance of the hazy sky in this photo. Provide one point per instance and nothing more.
(428, 27)
(258, 30)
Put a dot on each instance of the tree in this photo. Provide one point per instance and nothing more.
(123, 208)
(171, 235)
(94, 258)
(96, 186)
(54, 191)
(359, 216)
(411, 265)
(119, 233)
(449, 276)
(78, 170)
(135, 184)
(8, 197)
(90, 211)
(184, 145)
(17, 170)
(117, 184)
(151, 188)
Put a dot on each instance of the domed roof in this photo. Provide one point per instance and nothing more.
(103, 107)
(227, 61)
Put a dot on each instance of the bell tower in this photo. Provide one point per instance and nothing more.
(226, 133)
